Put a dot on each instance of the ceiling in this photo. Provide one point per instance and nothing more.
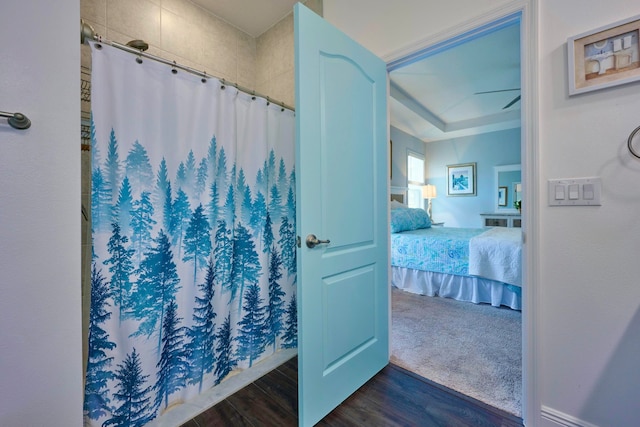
(438, 96)
(444, 95)
(254, 17)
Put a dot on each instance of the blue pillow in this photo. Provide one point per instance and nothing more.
(407, 219)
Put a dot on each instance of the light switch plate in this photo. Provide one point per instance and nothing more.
(569, 185)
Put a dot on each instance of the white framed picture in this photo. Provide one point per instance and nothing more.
(604, 57)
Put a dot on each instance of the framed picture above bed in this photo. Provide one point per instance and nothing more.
(461, 179)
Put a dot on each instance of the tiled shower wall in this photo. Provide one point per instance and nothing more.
(181, 31)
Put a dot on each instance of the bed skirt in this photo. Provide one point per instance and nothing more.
(461, 288)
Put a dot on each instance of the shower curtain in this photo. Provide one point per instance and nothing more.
(193, 224)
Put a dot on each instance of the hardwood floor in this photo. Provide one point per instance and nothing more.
(394, 397)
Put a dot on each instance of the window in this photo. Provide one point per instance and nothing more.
(415, 179)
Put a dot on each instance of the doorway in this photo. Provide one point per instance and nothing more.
(455, 89)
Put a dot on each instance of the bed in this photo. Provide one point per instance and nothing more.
(479, 265)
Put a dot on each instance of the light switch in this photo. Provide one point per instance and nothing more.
(574, 191)
(587, 192)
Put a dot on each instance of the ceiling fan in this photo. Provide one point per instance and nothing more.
(513, 101)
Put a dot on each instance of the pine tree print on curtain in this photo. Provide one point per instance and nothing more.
(193, 226)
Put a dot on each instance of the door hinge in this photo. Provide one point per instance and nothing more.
(298, 242)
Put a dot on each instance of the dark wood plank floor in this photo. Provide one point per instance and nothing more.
(394, 397)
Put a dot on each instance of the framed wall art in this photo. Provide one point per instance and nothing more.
(605, 57)
(461, 179)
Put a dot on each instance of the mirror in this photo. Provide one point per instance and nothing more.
(508, 188)
(517, 194)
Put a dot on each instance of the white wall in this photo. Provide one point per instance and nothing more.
(587, 307)
(387, 26)
(590, 335)
(40, 336)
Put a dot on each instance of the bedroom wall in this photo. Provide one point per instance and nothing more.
(486, 150)
(401, 142)
(587, 336)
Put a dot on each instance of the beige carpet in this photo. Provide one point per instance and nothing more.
(473, 349)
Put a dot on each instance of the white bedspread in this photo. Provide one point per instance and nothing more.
(497, 254)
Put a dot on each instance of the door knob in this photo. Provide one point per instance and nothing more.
(312, 241)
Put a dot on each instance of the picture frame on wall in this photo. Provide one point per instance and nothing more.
(461, 179)
(604, 57)
(502, 196)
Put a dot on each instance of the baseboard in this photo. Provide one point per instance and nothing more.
(188, 410)
(563, 419)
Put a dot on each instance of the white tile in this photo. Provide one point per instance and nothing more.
(138, 18)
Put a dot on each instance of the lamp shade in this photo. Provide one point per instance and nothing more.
(429, 191)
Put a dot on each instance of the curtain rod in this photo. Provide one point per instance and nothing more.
(87, 33)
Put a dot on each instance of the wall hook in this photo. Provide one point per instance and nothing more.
(17, 120)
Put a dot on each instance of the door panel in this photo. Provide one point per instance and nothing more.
(342, 178)
(348, 299)
(339, 76)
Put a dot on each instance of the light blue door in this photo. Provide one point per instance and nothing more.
(341, 178)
